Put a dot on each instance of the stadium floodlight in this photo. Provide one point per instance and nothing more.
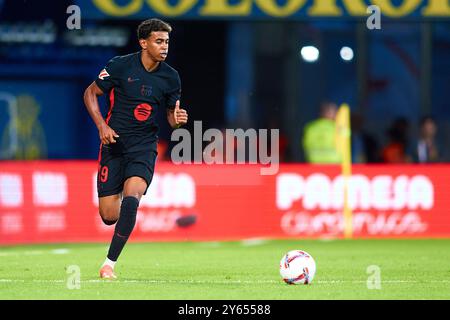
(310, 54)
(347, 54)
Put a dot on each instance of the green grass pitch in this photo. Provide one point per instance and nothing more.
(409, 269)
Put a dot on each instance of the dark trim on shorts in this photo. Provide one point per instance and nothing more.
(117, 191)
(108, 193)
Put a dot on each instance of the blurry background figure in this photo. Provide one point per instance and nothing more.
(426, 149)
(397, 149)
(162, 148)
(365, 148)
(319, 143)
(25, 131)
(283, 142)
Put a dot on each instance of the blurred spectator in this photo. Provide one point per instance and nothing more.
(162, 149)
(397, 149)
(365, 148)
(283, 143)
(283, 146)
(319, 138)
(426, 149)
(24, 135)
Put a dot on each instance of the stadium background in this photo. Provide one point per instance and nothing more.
(238, 71)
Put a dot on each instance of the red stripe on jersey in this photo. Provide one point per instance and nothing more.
(100, 154)
(99, 159)
(111, 105)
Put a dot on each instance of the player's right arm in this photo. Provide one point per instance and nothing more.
(105, 132)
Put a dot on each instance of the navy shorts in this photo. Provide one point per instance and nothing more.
(122, 160)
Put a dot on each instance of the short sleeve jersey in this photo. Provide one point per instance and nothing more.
(136, 95)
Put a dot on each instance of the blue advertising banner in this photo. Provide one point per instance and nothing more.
(262, 9)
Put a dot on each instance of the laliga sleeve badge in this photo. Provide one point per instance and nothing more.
(103, 74)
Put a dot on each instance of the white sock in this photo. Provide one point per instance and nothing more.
(109, 263)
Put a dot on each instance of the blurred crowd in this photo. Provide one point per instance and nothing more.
(318, 141)
(402, 141)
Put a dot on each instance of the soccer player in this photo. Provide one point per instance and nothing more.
(138, 85)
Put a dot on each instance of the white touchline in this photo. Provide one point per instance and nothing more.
(34, 252)
(220, 281)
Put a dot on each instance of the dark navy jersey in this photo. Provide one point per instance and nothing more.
(136, 95)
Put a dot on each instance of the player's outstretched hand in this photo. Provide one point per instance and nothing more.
(107, 134)
(181, 116)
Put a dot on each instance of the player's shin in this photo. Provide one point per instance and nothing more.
(124, 226)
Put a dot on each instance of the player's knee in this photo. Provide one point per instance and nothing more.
(135, 187)
(133, 193)
(109, 215)
(109, 222)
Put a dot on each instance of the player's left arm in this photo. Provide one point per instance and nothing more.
(177, 116)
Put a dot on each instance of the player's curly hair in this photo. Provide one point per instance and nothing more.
(146, 27)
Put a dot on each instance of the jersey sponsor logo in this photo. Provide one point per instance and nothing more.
(146, 91)
(130, 79)
(103, 74)
(143, 111)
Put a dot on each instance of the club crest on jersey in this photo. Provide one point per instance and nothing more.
(146, 91)
(103, 74)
